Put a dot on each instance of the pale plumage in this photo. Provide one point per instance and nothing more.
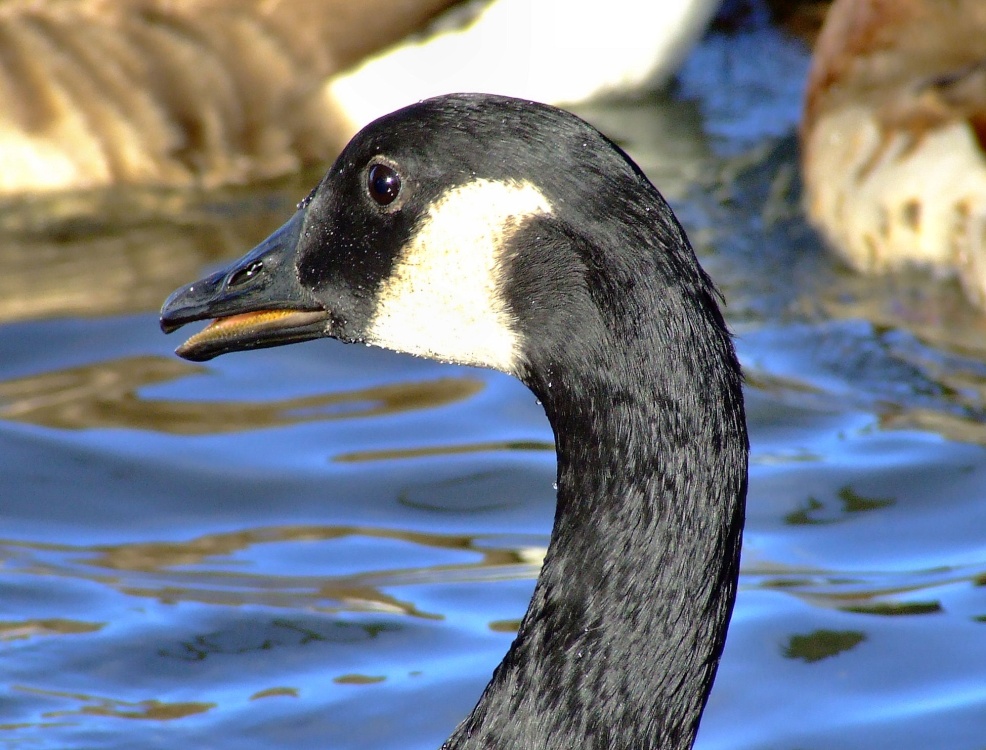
(894, 136)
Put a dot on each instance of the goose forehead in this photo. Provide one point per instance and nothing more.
(445, 296)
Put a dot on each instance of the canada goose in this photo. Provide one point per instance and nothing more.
(894, 136)
(496, 232)
(186, 92)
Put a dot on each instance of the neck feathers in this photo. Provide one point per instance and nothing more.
(621, 642)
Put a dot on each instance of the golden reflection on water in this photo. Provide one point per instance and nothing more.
(951, 346)
(218, 569)
(276, 692)
(505, 626)
(864, 592)
(101, 706)
(358, 679)
(12, 630)
(106, 395)
(933, 310)
(444, 450)
(199, 570)
(958, 414)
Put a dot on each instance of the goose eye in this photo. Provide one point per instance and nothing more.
(383, 184)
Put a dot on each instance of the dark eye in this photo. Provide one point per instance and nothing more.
(383, 184)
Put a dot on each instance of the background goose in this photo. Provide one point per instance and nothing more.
(894, 136)
(226, 91)
(489, 231)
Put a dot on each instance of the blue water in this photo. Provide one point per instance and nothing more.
(333, 544)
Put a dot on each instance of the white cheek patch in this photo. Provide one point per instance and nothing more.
(444, 299)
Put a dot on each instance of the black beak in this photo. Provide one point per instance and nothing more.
(257, 301)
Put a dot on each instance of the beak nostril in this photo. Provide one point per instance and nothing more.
(245, 274)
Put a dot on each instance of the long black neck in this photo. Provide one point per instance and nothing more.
(621, 641)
